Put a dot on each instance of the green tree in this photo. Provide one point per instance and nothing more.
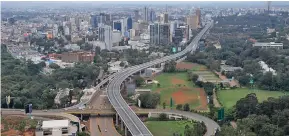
(122, 64)
(162, 117)
(164, 105)
(246, 106)
(54, 66)
(139, 81)
(179, 107)
(189, 131)
(22, 125)
(149, 100)
(82, 134)
(186, 107)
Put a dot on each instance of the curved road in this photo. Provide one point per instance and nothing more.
(127, 115)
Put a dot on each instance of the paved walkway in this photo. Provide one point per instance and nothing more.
(215, 100)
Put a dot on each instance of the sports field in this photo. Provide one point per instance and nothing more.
(228, 98)
(167, 128)
(182, 91)
(201, 70)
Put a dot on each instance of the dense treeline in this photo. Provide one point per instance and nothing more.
(24, 81)
(268, 118)
(237, 51)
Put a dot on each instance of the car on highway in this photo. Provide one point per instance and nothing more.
(105, 130)
(44, 110)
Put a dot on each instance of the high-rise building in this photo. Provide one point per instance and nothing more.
(146, 14)
(136, 15)
(117, 25)
(268, 6)
(55, 30)
(66, 30)
(129, 23)
(178, 35)
(159, 34)
(192, 21)
(116, 36)
(123, 25)
(152, 15)
(105, 35)
(173, 26)
(94, 21)
(164, 18)
(198, 14)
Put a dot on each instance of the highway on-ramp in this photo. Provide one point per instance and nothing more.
(127, 115)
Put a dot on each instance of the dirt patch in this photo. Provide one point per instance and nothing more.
(203, 99)
(203, 69)
(176, 81)
(183, 65)
(29, 132)
(180, 97)
(10, 132)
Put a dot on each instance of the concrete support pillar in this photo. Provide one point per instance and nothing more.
(116, 119)
(121, 125)
(125, 131)
(81, 117)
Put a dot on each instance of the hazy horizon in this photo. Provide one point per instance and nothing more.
(56, 4)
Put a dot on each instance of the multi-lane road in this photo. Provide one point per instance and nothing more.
(127, 115)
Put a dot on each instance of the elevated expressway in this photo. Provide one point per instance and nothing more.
(127, 115)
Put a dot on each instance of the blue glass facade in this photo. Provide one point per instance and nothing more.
(94, 21)
(129, 23)
(117, 26)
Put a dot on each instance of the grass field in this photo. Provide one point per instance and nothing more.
(177, 86)
(228, 98)
(166, 128)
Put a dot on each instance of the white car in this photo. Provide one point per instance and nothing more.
(105, 130)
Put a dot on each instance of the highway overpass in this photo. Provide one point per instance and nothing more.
(127, 115)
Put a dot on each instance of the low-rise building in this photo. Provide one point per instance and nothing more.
(73, 47)
(269, 45)
(227, 68)
(77, 57)
(56, 128)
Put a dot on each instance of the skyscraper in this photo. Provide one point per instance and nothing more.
(117, 25)
(94, 21)
(268, 6)
(178, 35)
(198, 14)
(105, 35)
(159, 34)
(129, 23)
(123, 25)
(164, 18)
(146, 14)
(152, 15)
(192, 21)
(136, 15)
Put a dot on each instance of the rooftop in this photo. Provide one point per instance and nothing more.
(55, 124)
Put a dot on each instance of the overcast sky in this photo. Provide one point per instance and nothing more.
(96, 3)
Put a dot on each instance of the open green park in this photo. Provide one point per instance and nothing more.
(167, 128)
(177, 87)
(228, 98)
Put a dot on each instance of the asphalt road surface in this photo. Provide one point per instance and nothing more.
(106, 127)
(127, 115)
